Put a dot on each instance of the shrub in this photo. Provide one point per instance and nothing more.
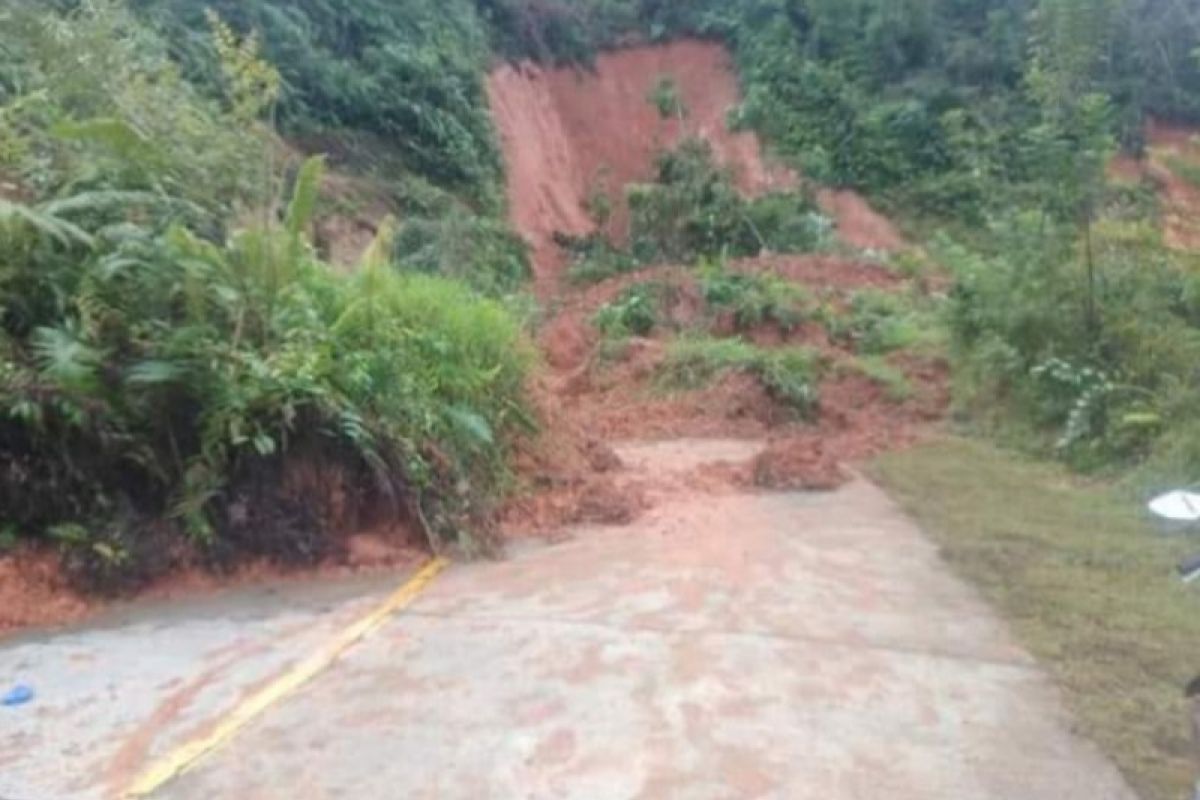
(635, 312)
(195, 366)
(409, 72)
(167, 386)
(877, 322)
(593, 258)
(478, 251)
(1099, 389)
(665, 97)
(693, 210)
(790, 374)
(755, 298)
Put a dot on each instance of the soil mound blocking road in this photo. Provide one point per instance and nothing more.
(568, 133)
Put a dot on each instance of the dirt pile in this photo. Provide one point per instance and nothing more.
(570, 133)
(601, 391)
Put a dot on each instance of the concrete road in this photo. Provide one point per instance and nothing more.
(726, 646)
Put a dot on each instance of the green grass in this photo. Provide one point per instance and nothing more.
(1086, 584)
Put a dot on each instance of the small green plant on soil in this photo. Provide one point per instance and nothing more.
(790, 375)
(754, 298)
(892, 379)
(877, 322)
(635, 312)
(693, 210)
(593, 258)
(666, 98)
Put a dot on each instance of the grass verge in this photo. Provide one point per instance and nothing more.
(1086, 584)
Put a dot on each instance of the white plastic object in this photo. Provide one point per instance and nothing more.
(1178, 506)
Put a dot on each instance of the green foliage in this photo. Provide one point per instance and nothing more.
(1108, 387)
(593, 258)
(169, 377)
(635, 312)
(755, 298)
(877, 322)
(1185, 168)
(694, 210)
(92, 102)
(480, 251)
(409, 72)
(789, 374)
(665, 97)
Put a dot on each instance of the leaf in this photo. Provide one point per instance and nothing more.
(1141, 419)
(304, 196)
(65, 233)
(119, 136)
(379, 253)
(153, 372)
(471, 423)
(264, 444)
(66, 360)
(68, 533)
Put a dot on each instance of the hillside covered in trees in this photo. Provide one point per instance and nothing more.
(183, 369)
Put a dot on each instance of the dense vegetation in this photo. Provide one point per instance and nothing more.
(176, 363)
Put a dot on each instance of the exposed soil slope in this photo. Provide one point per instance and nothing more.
(858, 224)
(1180, 198)
(568, 133)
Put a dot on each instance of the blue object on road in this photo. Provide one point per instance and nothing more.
(19, 695)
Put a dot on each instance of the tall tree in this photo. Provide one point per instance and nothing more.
(1071, 41)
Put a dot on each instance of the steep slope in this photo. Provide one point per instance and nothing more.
(569, 133)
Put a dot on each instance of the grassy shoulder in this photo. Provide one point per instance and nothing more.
(1086, 584)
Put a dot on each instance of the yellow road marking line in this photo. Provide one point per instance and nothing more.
(184, 757)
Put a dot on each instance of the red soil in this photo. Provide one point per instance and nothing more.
(1180, 198)
(34, 590)
(593, 394)
(858, 224)
(568, 133)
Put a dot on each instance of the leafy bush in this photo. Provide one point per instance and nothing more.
(409, 72)
(93, 109)
(877, 322)
(1111, 387)
(665, 97)
(789, 374)
(755, 298)
(480, 251)
(693, 210)
(167, 385)
(193, 365)
(593, 258)
(635, 312)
